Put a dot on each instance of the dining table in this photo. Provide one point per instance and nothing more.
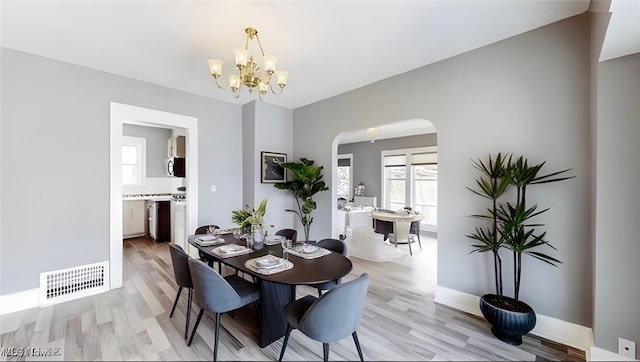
(277, 289)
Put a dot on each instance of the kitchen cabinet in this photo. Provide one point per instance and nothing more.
(178, 222)
(133, 218)
(176, 147)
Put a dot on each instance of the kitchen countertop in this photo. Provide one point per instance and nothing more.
(150, 197)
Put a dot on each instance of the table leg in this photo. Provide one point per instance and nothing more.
(273, 298)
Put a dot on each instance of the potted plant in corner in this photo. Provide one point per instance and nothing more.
(308, 182)
(510, 225)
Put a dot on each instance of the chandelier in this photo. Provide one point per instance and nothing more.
(249, 74)
(372, 132)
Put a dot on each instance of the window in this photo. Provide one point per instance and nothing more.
(133, 160)
(410, 178)
(395, 181)
(425, 195)
(345, 176)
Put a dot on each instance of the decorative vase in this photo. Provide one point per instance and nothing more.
(257, 234)
(510, 318)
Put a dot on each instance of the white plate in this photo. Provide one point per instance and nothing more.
(267, 262)
(309, 249)
(273, 240)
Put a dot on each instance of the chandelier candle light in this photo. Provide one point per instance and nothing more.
(249, 73)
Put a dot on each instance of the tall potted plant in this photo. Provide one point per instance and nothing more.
(307, 182)
(510, 226)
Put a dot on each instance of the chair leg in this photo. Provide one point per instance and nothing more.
(419, 241)
(286, 339)
(357, 342)
(215, 343)
(186, 326)
(409, 243)
(196, 326)
(325, 351)
(176, 302)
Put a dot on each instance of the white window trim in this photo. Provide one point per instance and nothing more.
(141, 144)
(409, 175)
(350, 157)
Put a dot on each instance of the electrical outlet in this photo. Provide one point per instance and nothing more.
(213, 188)
(626, 348)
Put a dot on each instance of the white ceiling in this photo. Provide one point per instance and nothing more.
(623, 33)
(328, 47)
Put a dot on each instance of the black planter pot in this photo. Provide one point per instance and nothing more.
(510, 318)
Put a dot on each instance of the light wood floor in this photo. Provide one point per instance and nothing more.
(400, 321)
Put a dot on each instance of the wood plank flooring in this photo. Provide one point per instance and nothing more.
(400, 320)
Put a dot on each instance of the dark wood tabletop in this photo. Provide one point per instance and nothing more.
(279, 289)
(305, 271)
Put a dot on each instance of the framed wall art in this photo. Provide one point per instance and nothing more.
(272, 172)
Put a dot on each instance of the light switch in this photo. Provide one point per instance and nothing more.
(213, 188)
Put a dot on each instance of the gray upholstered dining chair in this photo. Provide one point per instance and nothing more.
(216, 294)
(290, 234)
(334, 245)
(330, 318)
(204, 229)
(180, 261)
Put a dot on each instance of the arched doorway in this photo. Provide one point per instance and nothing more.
(364, 157)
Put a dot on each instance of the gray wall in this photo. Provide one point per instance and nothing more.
(266, 127)
(617, 291)
(156, 146)
(366, 159)
(528, 95)
(55, 158)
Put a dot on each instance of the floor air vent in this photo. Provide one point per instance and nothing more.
(72, 283)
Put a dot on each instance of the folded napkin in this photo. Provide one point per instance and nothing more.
(280, 266)
(268, 261)
(273, 239)
(309, 251)
(229, 250)
(207, 240)
(206, 237)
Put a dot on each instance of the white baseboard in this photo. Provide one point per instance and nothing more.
(599, 354)
(15, 302)
(553, 329)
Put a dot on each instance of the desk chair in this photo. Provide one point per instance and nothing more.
(218, 295)
(404, 230)
(330, 318)
(182, 274)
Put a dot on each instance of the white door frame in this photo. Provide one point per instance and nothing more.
(121, 114)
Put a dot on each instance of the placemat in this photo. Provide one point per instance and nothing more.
(251, 265)
(208, 240)
(240, 250)
(316, 254)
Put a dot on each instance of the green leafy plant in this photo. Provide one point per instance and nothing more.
(491, 185)
(308, 182)
(248, 216)
(511, 224)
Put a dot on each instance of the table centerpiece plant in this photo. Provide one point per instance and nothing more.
(510, 225)
(251, 220)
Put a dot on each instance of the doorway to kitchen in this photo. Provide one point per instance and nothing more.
(126, 114)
